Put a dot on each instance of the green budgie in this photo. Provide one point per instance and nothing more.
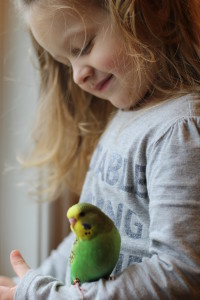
(96, 249)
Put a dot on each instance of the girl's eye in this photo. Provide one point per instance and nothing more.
(85, 50)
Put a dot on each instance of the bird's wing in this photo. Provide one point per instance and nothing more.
(72, 254)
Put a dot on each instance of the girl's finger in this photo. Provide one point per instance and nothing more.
(18, 263)
(6, 293)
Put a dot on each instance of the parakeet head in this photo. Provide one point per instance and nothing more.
(87, 220)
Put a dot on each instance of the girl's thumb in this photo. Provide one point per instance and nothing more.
(18, 263)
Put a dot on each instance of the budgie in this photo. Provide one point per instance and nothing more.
(97, 245)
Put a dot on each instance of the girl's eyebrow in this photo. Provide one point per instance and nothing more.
(67, 46)
(74, 35)
(72, 39)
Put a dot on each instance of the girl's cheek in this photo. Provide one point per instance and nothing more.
(105, 62)
(111, 62)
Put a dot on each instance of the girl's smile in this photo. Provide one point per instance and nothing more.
(86, 41)
(103, 84)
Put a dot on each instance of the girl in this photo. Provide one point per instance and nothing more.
(125, 74)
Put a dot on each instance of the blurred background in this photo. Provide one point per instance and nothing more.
(25, 224)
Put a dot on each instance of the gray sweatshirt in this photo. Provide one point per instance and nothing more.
(145, 175)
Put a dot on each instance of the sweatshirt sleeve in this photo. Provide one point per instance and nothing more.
(173, 270)
(56, 264)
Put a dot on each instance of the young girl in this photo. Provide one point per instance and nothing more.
(121, 80)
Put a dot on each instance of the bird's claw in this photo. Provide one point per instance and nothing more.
(76, 282)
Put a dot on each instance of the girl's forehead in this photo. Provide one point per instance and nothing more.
(58, 12)
(54, 6)
(52, 25)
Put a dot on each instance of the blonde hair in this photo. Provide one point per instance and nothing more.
(70, 121)
(68, 126)
(167, 33)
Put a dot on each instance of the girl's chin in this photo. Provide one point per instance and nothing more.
(117, 102)
(121, 104)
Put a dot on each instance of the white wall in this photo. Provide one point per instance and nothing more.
(22, 222)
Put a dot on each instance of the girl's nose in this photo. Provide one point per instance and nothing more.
(81, 74)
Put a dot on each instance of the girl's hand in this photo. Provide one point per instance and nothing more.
(7, 289)
(6, 281)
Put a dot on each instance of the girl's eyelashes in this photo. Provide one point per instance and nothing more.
(85, 50)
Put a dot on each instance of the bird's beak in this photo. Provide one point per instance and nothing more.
(72, 221)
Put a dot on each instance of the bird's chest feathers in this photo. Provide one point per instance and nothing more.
(94, 249)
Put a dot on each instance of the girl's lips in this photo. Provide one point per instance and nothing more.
(103, 83)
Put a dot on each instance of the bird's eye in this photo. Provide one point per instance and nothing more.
(82, 214)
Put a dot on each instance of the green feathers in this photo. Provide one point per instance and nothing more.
(96, 249)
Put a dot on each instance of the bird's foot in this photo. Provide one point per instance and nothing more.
(109, 278)
(77, 283)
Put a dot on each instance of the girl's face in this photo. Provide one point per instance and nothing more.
(84, 39)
